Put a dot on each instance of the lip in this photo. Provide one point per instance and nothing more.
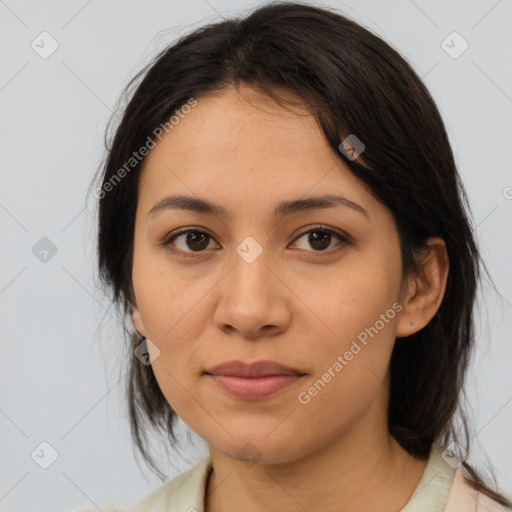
(253, 381)
(255, 369)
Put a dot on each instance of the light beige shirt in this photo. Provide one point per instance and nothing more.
(442, 488)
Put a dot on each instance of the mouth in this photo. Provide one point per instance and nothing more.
(254, 381)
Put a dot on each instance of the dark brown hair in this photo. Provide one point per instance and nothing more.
(354, 83)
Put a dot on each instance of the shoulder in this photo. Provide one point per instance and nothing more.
(183, 493)
(464, 498)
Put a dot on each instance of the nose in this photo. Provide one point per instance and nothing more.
(253, 300)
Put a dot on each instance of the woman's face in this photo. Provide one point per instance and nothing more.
(261, 281)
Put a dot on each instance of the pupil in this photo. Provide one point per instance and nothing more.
(314, 239)
(195, 238)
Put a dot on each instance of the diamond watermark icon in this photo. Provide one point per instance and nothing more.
(449, 454)
(147, 352)
(249, 453)
(249, 249)
(44, 455)
(351, 147)
(44, 45)
(454, 45)
(44, 249)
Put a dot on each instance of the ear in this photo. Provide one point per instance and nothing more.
(137, 319)
(425, 289)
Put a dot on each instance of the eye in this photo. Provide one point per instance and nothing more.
(191, 238)
(320, 238)
(196, 241)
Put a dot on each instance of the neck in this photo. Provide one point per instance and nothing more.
(349, 474)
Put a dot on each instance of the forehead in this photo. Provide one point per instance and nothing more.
(246, 120)
(243, 143)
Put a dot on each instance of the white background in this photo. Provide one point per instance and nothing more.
(62, 371)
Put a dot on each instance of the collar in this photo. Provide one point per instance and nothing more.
(440, 486)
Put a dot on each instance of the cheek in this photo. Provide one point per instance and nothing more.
(177, 372)
(355, 297)
(357, 314)
(350, 371)
(166, 299)
(170, 312)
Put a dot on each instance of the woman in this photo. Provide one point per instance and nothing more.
(281, 218)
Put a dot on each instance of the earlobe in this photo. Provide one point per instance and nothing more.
(425, 289)
(135, 313)
(137, 320)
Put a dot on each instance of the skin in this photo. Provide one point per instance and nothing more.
(295, 304)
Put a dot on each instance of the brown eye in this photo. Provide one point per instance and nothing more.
(189, 241)
(321, 238)
(196, 241)
(318, 239)
(192, 241)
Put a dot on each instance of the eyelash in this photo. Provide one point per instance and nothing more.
(319, 228)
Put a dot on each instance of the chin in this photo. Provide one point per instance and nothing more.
(258, 449)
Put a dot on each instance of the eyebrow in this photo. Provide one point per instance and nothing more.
(283, 209)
